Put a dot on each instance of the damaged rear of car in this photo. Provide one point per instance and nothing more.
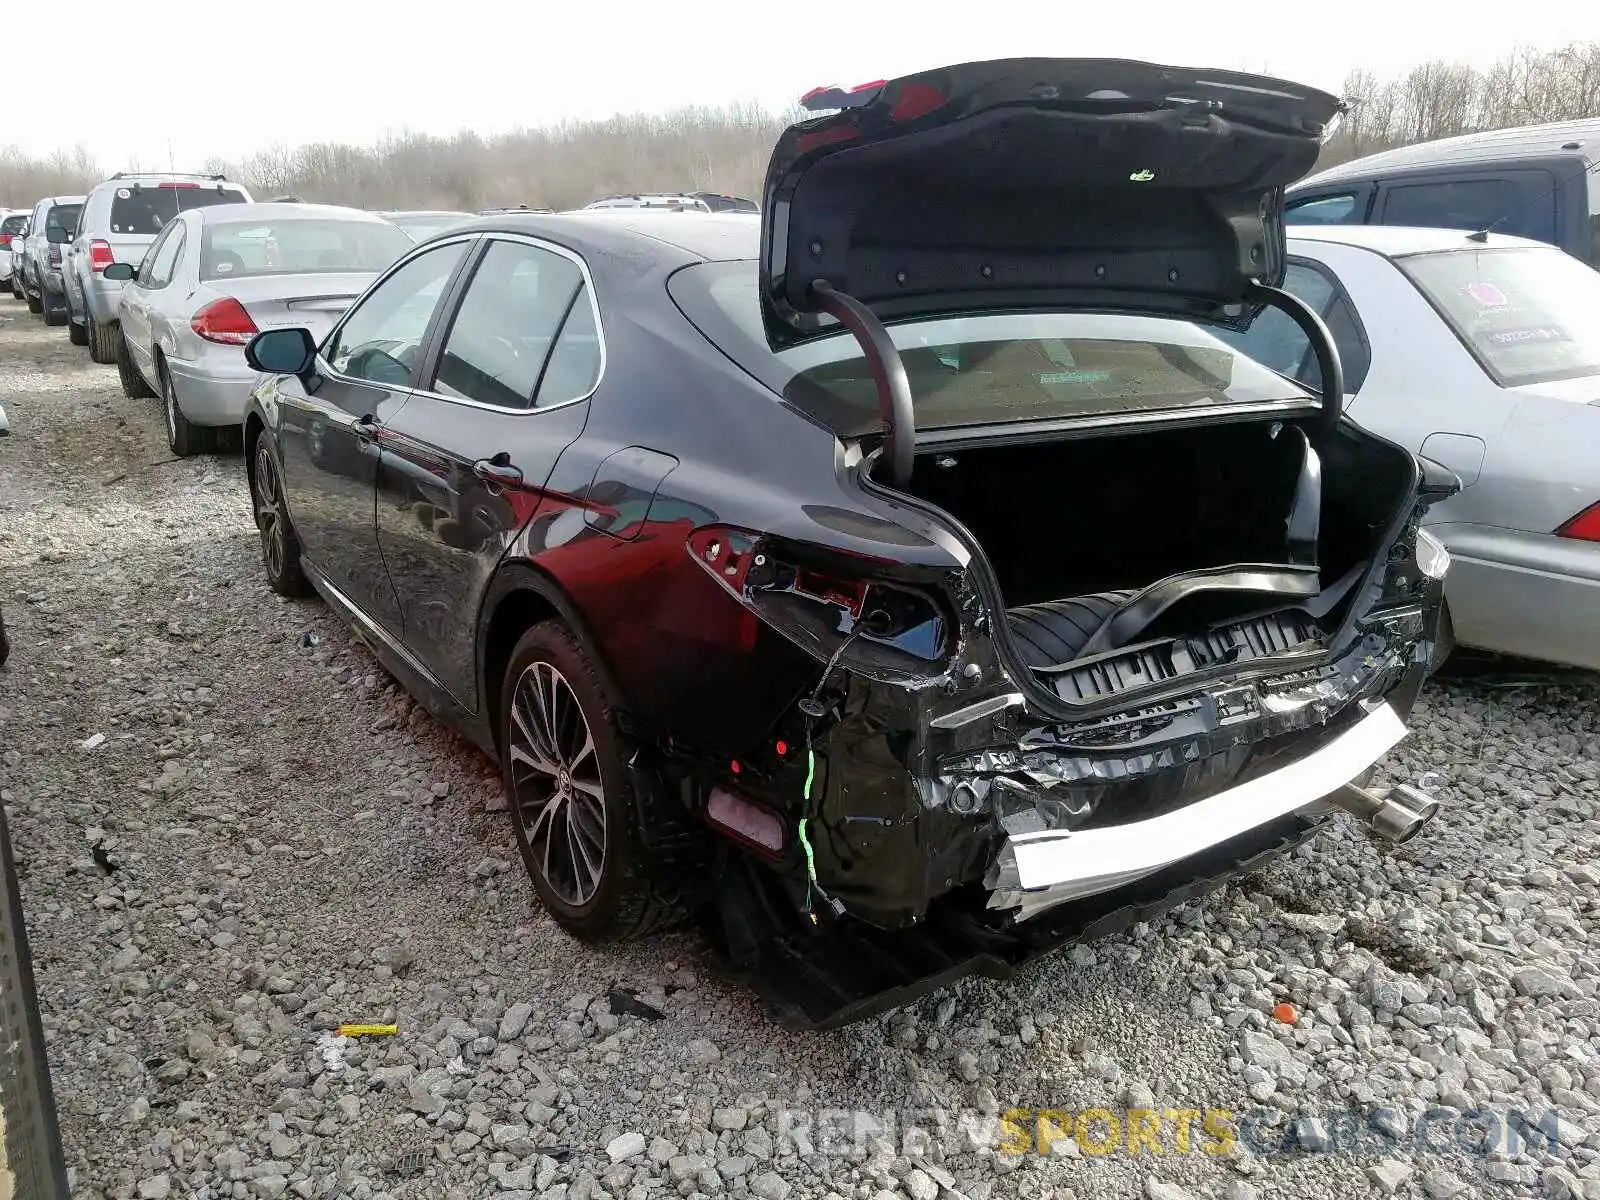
(1112, 612)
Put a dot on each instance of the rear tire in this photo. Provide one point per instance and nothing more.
(53, 316)
(34, 306)
(133, 385)
(280, 547)
(570, 792)
(184, 438)
(102, 340)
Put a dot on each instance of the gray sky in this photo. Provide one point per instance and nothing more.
(231, 76)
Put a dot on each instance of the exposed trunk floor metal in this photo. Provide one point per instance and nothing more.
(851, 971)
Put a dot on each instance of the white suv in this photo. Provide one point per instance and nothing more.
(120, 218)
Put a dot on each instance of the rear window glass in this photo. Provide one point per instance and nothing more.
(13, 224)
(1527, 315)
(300, 246)
(146, 210)
(63, 217)
(421, 228)
(981, 369)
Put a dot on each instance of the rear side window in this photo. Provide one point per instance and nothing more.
(1324, 210)
(146, 210)
(500, 346)
(1592, 175)
(1274, 340)
(14, 224)
(1472, 204)
(1527, 315)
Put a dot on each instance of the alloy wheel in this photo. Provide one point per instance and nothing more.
(269, 509)
(556, 784)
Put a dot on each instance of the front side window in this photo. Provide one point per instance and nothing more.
(984, 369)
(302, 246)
(506, 328)
(148, 208)
(381, 338)
(1527, 315)
(1324, 210)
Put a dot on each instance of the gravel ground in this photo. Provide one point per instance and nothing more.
(236, 834)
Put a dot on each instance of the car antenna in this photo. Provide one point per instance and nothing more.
(1482, 235)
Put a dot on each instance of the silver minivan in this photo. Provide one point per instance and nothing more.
(120, 218)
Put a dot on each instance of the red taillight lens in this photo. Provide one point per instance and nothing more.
(5, 240)
(224, 321)
(100, 256)
(1585, 527)
(55, 255)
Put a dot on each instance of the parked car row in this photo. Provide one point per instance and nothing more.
(894, 586)
(167, 276)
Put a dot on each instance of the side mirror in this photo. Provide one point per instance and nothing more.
(57, 236)
(281, 351)
(119, 271)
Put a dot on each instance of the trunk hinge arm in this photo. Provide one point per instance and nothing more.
(888, 373)
(1303, 526)
(1322, 345)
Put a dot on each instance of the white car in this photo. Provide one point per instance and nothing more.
(12, 222)
(214, 278)
(1480, 352)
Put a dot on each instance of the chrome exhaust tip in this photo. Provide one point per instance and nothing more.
(1396, 815)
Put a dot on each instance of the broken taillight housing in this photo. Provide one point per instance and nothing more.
(1433, 560)
(1585, 527)
(836, 606)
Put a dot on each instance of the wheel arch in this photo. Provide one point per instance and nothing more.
(520, 595)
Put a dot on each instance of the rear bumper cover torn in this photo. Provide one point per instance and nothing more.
(1039, 868)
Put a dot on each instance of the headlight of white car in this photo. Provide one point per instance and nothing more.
(1433, 560)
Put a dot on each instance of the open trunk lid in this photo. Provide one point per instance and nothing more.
(1037, 184)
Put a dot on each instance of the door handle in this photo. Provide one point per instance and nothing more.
(498, 471)
(364, 427)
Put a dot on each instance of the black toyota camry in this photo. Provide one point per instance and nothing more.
(905, 580)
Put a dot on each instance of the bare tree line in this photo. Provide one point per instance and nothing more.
(724, 148)
(1439, 99)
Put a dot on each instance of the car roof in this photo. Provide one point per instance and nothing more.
(422, 212)
(58, 200)
(219, 214)
(708, 237)
(1523, 141)
(1396, 240)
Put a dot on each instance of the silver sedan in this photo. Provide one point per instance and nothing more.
(213, 279)
(1481, 352)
